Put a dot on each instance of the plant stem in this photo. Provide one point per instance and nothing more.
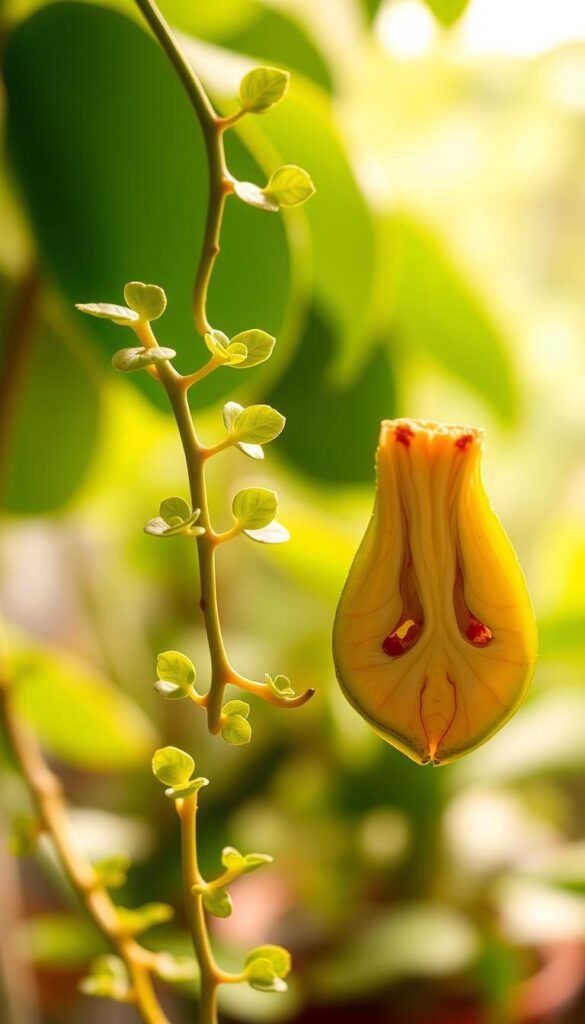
(210, 973)
(45, 789)
(212, 127)
(206, 542)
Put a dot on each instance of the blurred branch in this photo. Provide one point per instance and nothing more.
(45, 789)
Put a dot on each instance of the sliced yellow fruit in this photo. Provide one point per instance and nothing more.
(435, 639)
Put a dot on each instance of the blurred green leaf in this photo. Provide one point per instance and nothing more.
(439, 314)
(447, 11)
(175, 969)
(332, 430)
(422, 940)
(108, 978)
(276, 36)
(562, 637)
(134, 208)
(112, 872)
(59, 941)
(77, 714)
(137, 920)
(55, 418)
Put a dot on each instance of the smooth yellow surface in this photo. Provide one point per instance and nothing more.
(432, 534)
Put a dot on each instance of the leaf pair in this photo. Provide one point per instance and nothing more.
(174, 768)
(266, 967)
(137, 920)
(236, 729)
(176, 675)
(288, 186)
(175, 516)
(248, 348)
(145, 302)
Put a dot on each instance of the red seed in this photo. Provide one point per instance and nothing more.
(463, 442)
(479, 634)
(394, 645)
(403, 434)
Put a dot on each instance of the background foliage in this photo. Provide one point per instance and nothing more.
(436, 274)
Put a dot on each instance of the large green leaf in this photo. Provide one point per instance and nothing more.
(53, 422)
(110, 159)
(77, 714)
(332, 430)
(439, 314)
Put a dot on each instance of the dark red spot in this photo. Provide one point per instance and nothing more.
(394, 645)
(403, 434)
(463, 442)
(479, 634)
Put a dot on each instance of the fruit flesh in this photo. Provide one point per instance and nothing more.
(434, 638)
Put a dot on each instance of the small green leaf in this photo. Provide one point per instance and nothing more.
(186, 788)
(130, 359)
(253, 195)
(266, 967)
(273, 533)
(278, 958)
(289, 186)
(280, 685)
(108, 978)
(172, 766)
(217, 902)
(107, 311)
(237, 730)
(254, 507)
(177, 668)
(232, 859)
(174, 510)
(236, 707)
(261, 976)
(170, 691)
(175, 969)
(140, 919)
(148, 300)
(258, 345)
(258, 424)
(256, 860)
(262, 87)
(112, 871)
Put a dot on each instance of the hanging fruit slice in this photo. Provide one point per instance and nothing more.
(434, 638)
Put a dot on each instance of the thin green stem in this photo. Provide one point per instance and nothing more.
(211, 976)
(220, 180)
